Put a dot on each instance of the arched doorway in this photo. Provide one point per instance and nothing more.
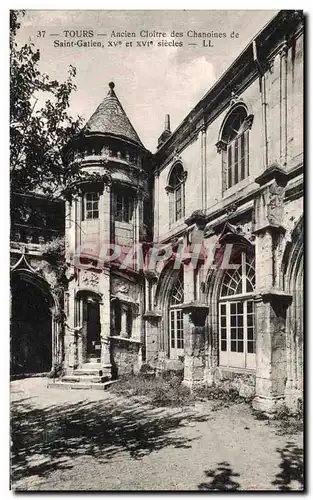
(31, 325)
(88, 317)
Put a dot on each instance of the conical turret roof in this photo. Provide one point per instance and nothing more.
(110, 118)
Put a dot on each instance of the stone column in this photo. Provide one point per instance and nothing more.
(70, 338)
(270, 302)
(195, 313)
(105, 321)
(104, 281)
(194, 338)
(156, 217)
(152, 318)
(152, 342)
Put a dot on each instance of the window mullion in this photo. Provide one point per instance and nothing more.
(247, 151)
(245, 335)
(228, 332)
(239, 159)
(244, 279)
(229, 163)
(175, 329)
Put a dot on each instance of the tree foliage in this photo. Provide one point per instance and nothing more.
(39, 133)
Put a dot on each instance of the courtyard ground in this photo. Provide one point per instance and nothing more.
(94, 440)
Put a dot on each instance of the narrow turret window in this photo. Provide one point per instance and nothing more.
(91, 206)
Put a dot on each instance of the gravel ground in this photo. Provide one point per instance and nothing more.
(94, 440)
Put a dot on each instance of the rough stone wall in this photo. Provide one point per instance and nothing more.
(244, 383)
(125, 357)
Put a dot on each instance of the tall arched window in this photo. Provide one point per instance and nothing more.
(176, 327)
(176, 191)
(234, 146)
(236, 315)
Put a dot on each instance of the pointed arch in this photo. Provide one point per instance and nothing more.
(293, 283)
(169, 293)
(230, 295)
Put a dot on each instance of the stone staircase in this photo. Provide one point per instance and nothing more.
(89, 376)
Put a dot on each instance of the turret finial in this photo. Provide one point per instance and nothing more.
(111, 85)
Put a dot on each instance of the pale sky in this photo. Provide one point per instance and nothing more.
(149, 81)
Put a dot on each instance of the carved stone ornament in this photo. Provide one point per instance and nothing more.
(90, 279)
(221, 146)
(119, 287)
(107, 178)
(275, 207)
(231, 209)
(122, 288)
(234, 99)
(249, 121)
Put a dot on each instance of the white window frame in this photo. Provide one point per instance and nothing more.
(176, 329)
(229, 358)
(91, 213)
(126, 203)
(176, 319)
(235, 359)
(230, 155)
(176, 192)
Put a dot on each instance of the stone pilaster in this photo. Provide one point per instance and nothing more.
(194, 339)
(105, 321)
(151, 318)
(70, 338)
(271, 302)
(195, 313)
(104, 283)
(152, 341)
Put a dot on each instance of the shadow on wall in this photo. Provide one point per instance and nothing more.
(47, 439)
(291, 475)
(221, 479)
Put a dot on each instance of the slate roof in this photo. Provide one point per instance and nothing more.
(110, 118)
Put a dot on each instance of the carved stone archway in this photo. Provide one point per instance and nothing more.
(36, 343)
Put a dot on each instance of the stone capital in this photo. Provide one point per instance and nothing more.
(197, 217)
(274, 295)
(197, 312)
(273, 172)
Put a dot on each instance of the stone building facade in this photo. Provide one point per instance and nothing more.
(232, 173)
(230, 178)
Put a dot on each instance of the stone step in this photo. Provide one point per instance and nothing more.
(82, 372)
(90, 369)
(59, 384)
(94, 361)
(82, 378)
